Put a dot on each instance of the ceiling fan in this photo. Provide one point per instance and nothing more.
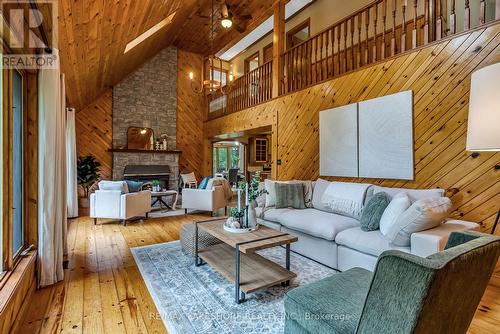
(228, 19)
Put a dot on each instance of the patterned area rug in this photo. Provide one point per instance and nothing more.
(199, 300)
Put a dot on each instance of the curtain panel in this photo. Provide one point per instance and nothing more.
(71, 158)
(52, 198)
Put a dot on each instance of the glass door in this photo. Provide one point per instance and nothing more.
(17, 163)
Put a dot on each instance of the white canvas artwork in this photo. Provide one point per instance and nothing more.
(338, 143)
(386, 137)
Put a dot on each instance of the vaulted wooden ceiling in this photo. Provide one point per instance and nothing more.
(93, 35)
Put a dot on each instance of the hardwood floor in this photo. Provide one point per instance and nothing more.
(103, 291)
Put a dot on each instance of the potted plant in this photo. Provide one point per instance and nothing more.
(88, 174)
(156, 185)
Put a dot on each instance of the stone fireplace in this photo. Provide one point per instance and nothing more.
(147, 98)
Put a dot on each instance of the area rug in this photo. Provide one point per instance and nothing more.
(193, 299)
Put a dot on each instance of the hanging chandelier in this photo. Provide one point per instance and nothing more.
(208, 83)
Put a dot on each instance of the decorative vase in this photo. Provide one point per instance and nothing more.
(252, 214)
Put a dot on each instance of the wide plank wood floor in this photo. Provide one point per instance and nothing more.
(103, 291)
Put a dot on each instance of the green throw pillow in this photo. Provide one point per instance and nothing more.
(289, 195)
(373, 211)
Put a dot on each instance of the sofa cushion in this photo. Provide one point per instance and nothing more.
(420, 216)
(372, 242)
(315, 222)
(414, 194)
(134, 186)
(331, 305)
(319, 189)
(270, 196)
(273, 214)
(399, 204)
(373, 211)
(289, 195)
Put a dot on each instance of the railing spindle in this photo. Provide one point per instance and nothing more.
(393, 39)
(360, 17)
(345, 46)
(320, 60)
(426, 22)
(375, 17)
(453, 18)
(403, 27)
(332, 43)
(467, 16)
(353, 61)
(414, 31)
(327, 42)
(367, 30)
(482, 12)
(338, 48)
(384, 29)
(439, 20)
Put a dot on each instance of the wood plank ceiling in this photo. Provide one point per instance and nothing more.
(93, 35)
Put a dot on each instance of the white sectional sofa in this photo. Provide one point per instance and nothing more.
(338, 241)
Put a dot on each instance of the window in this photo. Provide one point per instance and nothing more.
(17, 164)
(228, 155)
(260, 152)
(252, 62)
(298, 34)
(218, 74)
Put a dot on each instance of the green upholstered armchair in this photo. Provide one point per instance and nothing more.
(405, 293)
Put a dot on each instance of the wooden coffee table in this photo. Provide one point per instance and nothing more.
(235, 257)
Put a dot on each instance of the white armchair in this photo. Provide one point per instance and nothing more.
(118, 203)
(214, 197)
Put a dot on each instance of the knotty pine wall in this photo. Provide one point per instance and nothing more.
(191, 110)
(94, 132)
(439, 76)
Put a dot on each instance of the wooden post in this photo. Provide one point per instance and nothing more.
(384, 28)
(278, 45)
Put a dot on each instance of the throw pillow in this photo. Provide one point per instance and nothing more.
(134, 186)
(270, 197)
(289, 195)
(373, 211)
(399, 204)
(420, 216)
(114, 185)
(203, 184)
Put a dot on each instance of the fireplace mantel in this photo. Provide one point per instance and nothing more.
(126, 150)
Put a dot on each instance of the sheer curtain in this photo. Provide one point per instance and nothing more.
(72, 186)
(52, 208)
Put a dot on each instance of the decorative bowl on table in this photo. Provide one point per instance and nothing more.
(232, 225)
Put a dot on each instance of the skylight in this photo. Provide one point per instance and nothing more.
(157, 27)
(292, 7)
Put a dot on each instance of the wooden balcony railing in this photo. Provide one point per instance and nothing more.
(248, 90)
(383, 29)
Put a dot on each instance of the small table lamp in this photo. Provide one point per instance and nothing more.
(483, 132)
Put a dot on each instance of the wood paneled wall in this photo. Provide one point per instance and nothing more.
(94, 132)
(439, 76)
(191, 110)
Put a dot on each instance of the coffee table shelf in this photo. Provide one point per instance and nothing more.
(256, 272)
